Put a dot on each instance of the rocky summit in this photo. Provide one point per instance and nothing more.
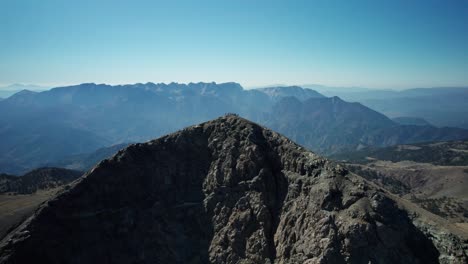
(225, 191)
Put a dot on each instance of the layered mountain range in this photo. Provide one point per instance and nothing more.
(227, 191)
(41, 128)
(441, 106)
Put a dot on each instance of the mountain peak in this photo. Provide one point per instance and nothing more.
(287, 91)
(21, 95)
(224, 191)
(336, 99)
(24, 92)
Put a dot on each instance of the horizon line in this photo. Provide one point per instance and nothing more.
(246, 87)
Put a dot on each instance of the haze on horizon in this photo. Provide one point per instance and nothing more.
(391, 44)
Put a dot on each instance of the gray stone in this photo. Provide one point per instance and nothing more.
(225, 191)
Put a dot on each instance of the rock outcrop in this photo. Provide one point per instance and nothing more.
(225, 191)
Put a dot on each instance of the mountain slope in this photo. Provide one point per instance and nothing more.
(38, 179)
(451, 153)
(10, 90)
(34, 142)
(331, 125)
(86, 161)
(225, 191)
(287, 91)
(20, 196)
(434, 175)
(441, 106)
(405, 120)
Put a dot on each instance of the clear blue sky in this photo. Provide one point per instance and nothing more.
(382, 44)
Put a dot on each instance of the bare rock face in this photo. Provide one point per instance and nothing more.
(225, 191)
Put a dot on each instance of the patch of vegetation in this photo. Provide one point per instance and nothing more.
(454, 153)
(389, 183)
(445, 206)
(39, 179)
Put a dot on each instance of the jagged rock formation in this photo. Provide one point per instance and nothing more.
(225, 191)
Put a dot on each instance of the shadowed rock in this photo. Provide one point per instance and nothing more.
(225, 191)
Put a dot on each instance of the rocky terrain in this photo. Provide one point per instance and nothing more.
(433, 175)
(228, 191)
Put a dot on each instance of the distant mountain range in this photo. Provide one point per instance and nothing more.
(85, 161)
(441, 106)
(38, 179)
(39, 128)
(9, 90)
(406, 120)
(280, 92)
(331, 125)
(43, 128)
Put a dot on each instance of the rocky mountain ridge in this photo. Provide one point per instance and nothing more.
(225, 191)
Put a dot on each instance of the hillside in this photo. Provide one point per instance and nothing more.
(433, 175)
(277, 93)
(85, 161)
(331, 125)
(38, 179)
(226, 191)
(440, 106)
(451, 153)
(405, 120)
(20, 196)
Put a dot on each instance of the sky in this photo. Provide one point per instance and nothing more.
(378, 44)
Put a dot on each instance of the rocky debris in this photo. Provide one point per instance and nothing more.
(225, 191)
(451, 248)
